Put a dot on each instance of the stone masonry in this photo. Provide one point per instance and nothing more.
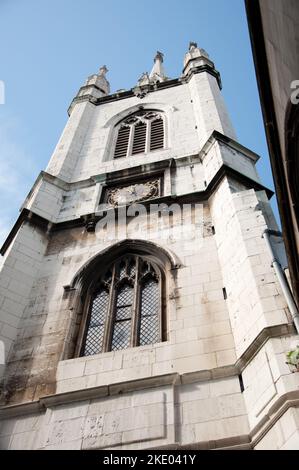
(220, 379)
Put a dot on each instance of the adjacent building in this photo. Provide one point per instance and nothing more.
(274, 31)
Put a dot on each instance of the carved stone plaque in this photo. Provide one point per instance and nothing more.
(132, 193)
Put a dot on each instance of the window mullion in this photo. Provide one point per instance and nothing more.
(136, 307)
(148, 137)
(161, 320)
(131, 138)
(164, 132)
(109, 324)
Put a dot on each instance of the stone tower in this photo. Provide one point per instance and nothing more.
(140, 304)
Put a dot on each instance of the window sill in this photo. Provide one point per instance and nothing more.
(145, 154)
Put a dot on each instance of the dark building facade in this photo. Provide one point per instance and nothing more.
(274, 31)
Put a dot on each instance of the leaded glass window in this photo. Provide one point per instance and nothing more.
(95, 331)
(124, 307)
(123, 317)
(149, 314)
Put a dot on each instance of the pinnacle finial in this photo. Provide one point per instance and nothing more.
(157, 73)
(103, 70)
(192, 45)
(195, 56)
(195, 50)
(99, 79)
(159, 56)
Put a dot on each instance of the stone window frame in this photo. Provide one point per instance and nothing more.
(136, 310)
(76, 292)
(142, 115)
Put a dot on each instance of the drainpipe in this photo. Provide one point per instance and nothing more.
(282, 277)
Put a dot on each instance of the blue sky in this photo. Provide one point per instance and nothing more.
(49, 47)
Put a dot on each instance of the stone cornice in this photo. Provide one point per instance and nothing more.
(218, 137)
(103, 177)
(25, 216)
(203, 68)
(149, 88)
(198, 196)
(59, 183)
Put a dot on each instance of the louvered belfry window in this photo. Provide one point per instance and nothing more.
(139, 138)
(140, 133)
(124, 308)
(157, 134)
(122, 142)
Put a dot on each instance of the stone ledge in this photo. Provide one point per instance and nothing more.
(228, 443)
(224, 170)
(213, 374)
(155, 381)
(246, 441)
(89, 393)
(217, 136)
(275, 412)
(151, 88)
(267, 333)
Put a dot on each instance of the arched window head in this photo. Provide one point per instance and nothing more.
(140, 133)
(124, 307)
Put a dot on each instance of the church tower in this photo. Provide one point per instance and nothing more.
(143, 299)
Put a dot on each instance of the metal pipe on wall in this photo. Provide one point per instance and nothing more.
(282, 277)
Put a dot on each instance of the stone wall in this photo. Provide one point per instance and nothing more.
(219, 379)
(176, 410)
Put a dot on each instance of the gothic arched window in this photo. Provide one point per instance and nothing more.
(125, 307)
(140, 133)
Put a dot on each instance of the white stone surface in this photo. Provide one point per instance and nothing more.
(209, 337)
